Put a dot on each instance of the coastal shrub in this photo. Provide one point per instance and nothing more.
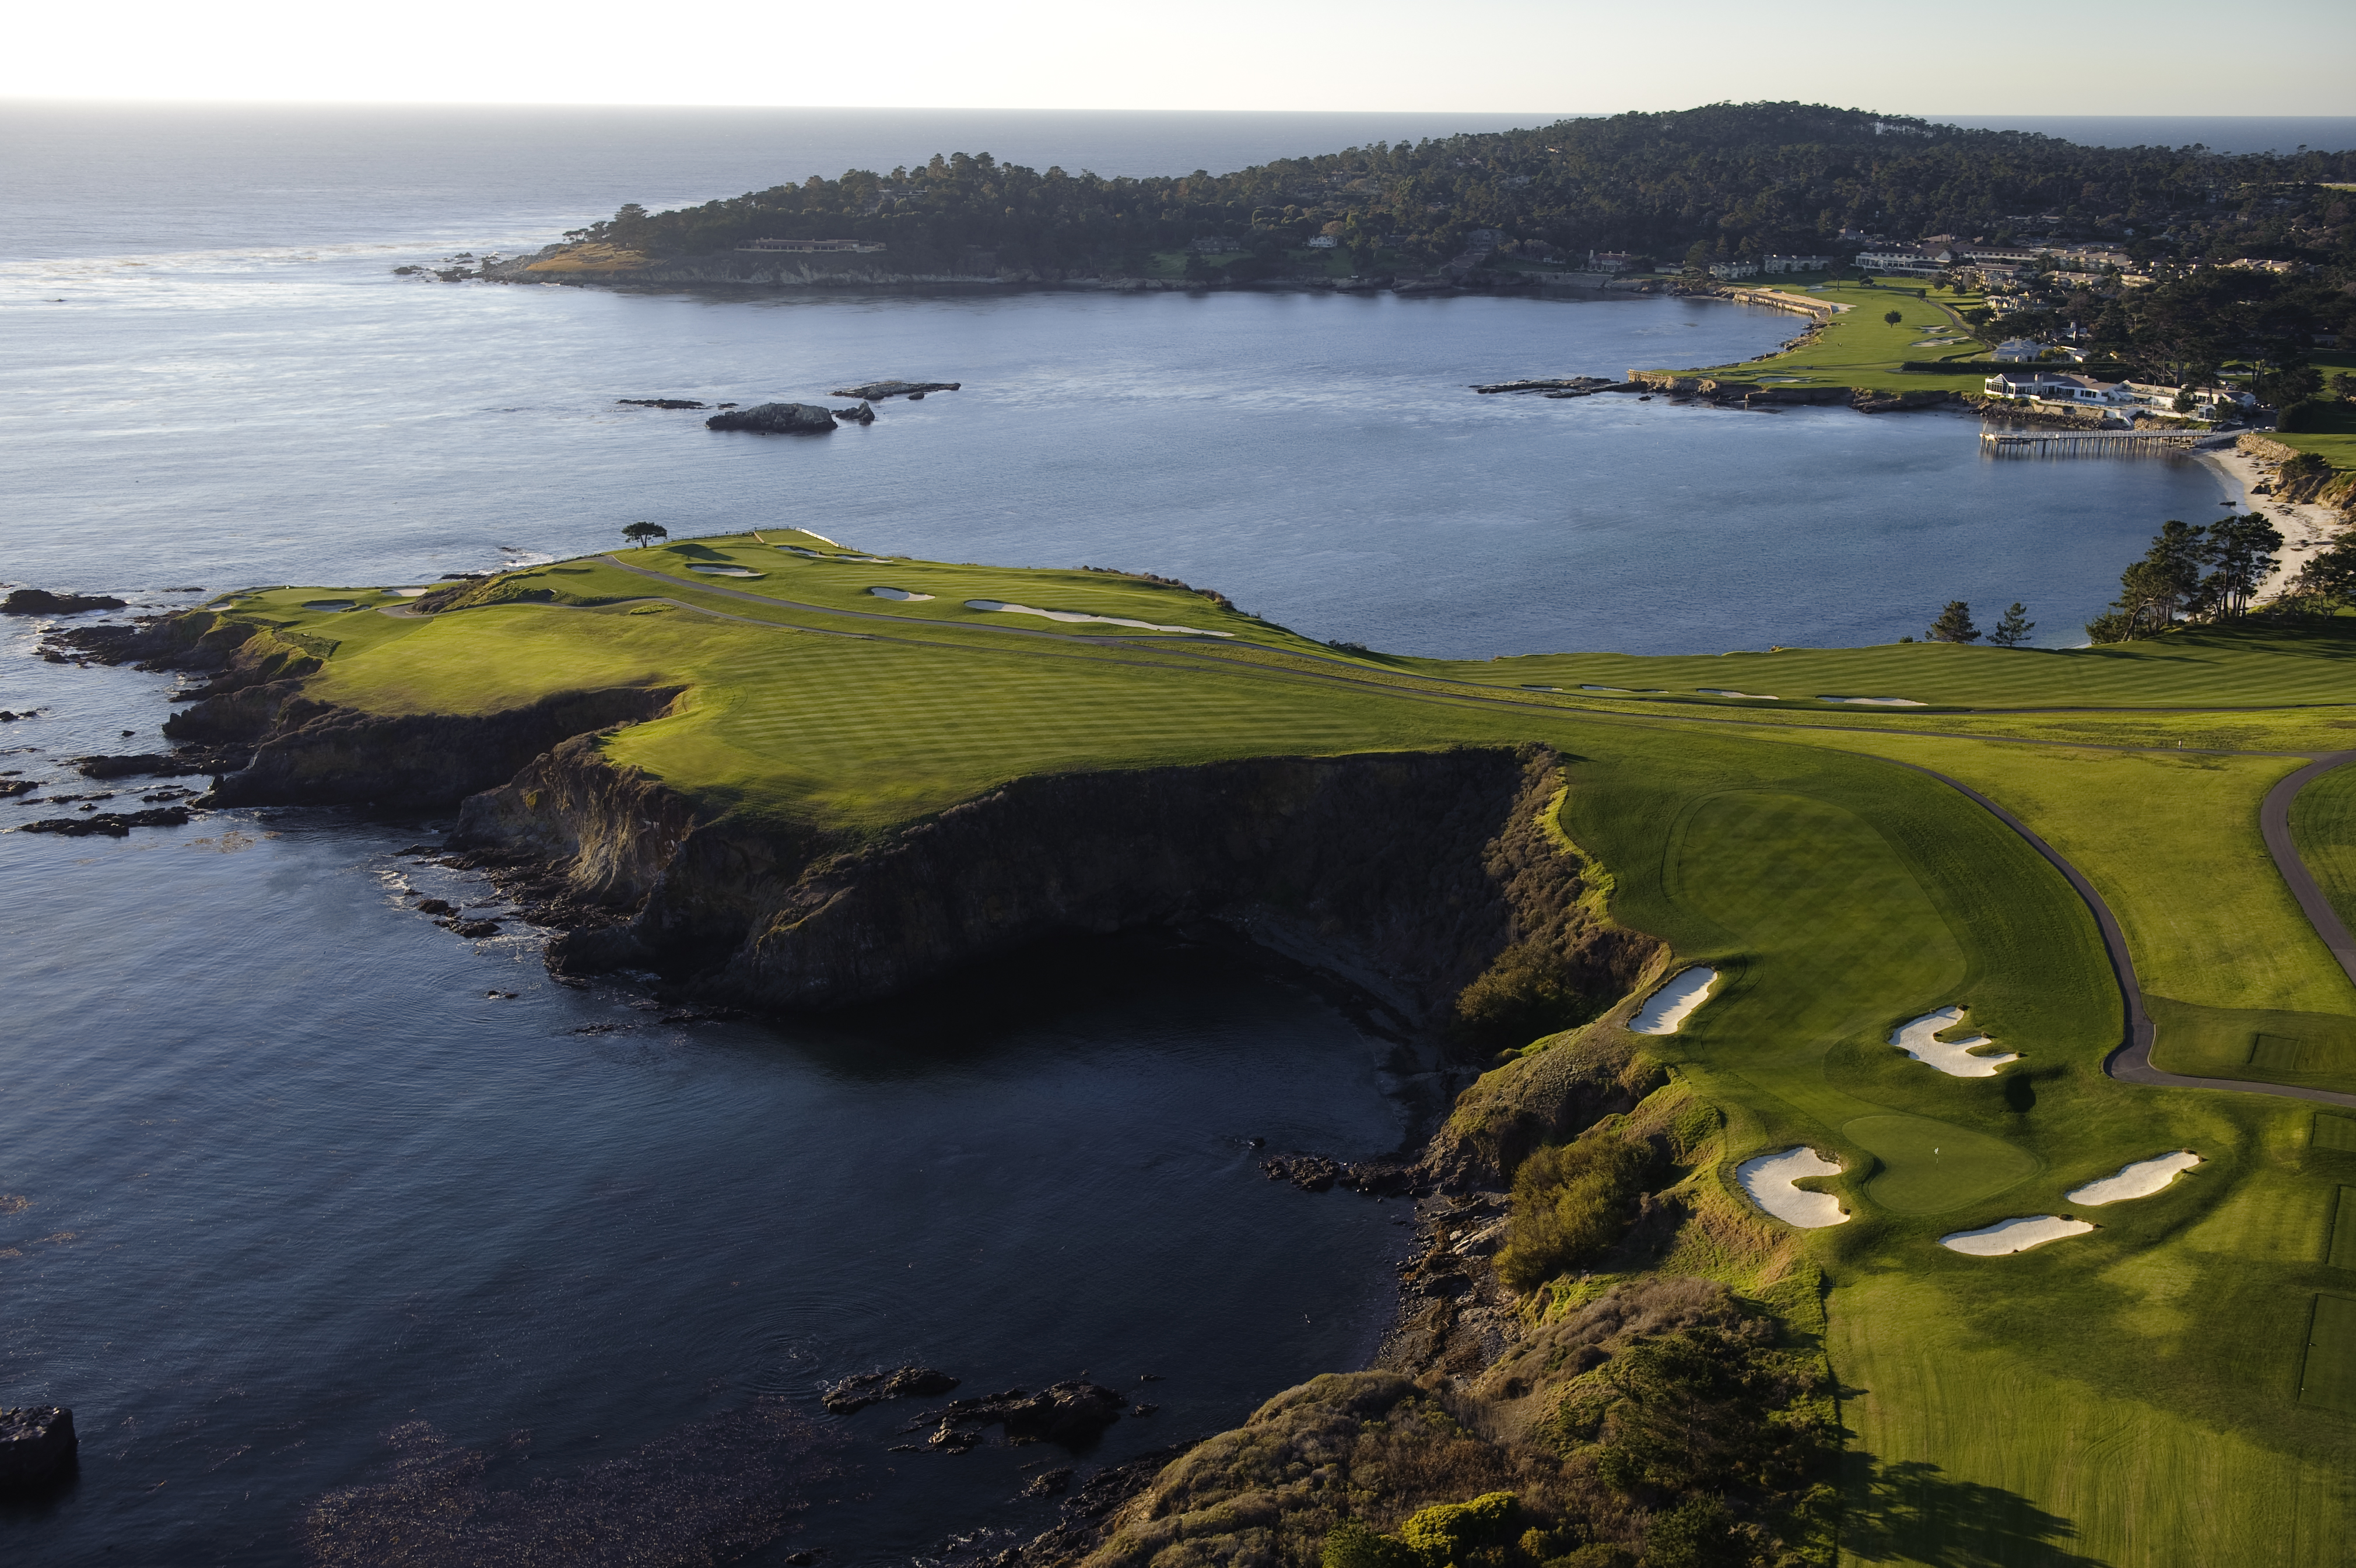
(1447, 1533)
(1353, 1543)
(1696, 1533)
(1571, 1203)
(1528, 992)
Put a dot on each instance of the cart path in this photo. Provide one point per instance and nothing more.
(2131, 1061)
(2274, 821)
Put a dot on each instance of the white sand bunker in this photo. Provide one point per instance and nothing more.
(900, 593)
(2141, 1179)
(408, 593)
(1631, 690)
(1528, 687)
(2014, 1235)
(1768, 1179)
(725, 571)
(1670, 1006)
(1877, 702)
(1918, 1039)
(1003, 607)
(1746, 696)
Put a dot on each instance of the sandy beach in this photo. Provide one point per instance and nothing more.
(2305, 528)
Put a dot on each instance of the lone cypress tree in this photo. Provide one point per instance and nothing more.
(2014, 629)
(1955, 625)
(644, 534)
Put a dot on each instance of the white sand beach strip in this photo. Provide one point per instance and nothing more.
(2008, 1236)
(1917, 1038)
(1746, 696)
(1768, 1179)
(2141, 1179)
(1670, 1006)
(1877, 702)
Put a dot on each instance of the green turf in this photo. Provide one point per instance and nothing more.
(2323, 825)
(2131, 1396)
(2328, 1381)
(2342, 1250)
(1858, 348)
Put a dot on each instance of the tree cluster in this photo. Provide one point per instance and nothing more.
(2191, 572)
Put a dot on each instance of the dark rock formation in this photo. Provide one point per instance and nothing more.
(776, 419)
(1402, 875)
(661, 403)
(876, 392)
(1575, 386)
(436, 906)
(40, 601)
(1049, 1483)
(854, 1394)
(37, 1448)
(319, 755)
(862, 415)
(10, 788)
(155, 764)
(1070, 1414)
(112, 824)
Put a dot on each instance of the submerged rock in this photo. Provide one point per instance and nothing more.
(663, 403)
(37, 1448)
(777, 419)
(1071, 1414)
(41, 602)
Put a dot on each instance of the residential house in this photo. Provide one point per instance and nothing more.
(1797, 264)
(811, 247)
(1324, 241)
(2060, 388)
(1728, 271)
(1610, 261)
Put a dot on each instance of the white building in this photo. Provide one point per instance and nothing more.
(2017, 351)
(1727, 271)
(1797, 264)
(2060, 389)
(1322, 242)
(1909, 261)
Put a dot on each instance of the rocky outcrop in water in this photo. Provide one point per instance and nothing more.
(41, 602)
(777, 419)
(37, 1450)
(110, 824)
(876, 392)
(856, 1393)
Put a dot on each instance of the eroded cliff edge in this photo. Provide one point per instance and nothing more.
(1406, 874)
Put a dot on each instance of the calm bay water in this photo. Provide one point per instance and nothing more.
(293, 1181)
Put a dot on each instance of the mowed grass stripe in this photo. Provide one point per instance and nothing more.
(2328, 1381)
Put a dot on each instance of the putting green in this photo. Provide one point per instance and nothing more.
(1935, 1166)
(2342, 1250)
(2337, 1133)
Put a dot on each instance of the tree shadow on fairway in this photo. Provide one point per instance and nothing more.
(1911, 1511)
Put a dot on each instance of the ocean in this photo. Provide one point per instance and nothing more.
(299, 1205)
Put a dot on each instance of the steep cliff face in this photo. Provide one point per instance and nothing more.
(1404, 874)
(317, 754)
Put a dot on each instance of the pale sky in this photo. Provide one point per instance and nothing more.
(2154, 56)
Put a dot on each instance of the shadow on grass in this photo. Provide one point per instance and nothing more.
(1911, 1511)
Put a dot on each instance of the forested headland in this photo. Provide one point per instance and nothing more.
(1741, 179)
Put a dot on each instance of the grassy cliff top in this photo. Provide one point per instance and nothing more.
(2150, 1381)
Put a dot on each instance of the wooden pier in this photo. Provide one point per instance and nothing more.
(2088, 442)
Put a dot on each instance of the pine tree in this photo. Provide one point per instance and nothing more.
(2014, 629)
(1955, 625)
